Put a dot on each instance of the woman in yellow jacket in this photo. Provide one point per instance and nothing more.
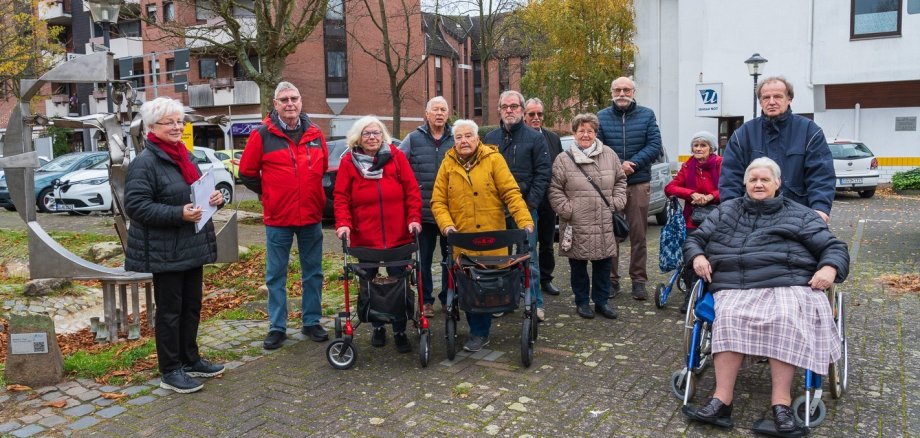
(471, 192)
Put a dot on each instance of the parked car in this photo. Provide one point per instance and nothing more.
(855, 167)
(661, 176)
(337, 149)
(89, 190)
(45, 175)
(231, 160)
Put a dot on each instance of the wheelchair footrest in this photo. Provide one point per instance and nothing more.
(766, 426)
(690, 412)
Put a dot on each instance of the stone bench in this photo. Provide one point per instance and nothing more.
(115, 292)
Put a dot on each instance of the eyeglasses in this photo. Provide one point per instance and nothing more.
(369, 134)
(622, 90)
(292, 99)
(171, 123)
(512, 107)
(535, 114)
(584, 131)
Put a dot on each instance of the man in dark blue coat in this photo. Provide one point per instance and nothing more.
(546, 231)
(632, 132)
(525, 151)
(794, 142)
(425, 148)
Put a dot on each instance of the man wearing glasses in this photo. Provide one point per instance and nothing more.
(796, 143)
(526, 153)
(284, 162)
(632, 132)
(533, 117)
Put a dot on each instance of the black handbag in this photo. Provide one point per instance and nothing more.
(700, 212)
(620, 226)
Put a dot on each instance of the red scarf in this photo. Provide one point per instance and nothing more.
(179, 155)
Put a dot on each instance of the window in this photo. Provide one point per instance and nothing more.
(170, 69)
(503, 75)
(438, 77)
(128, 29)
(152, 13)
(335, 48)
(204, 10)
(477, 88)
(169, 12)
(207, 68)
(875, 18)
(240, 73)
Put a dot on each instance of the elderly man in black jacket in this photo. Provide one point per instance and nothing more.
(425, 148)
(546, 230)
(526, 153)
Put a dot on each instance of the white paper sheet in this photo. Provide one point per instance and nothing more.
(201, 192)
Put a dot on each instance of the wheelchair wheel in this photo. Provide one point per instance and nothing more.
(837, 371)
(340, 356)
(820, 411)
(679, 384)
(424, 348)
(450, 332)
(534, 321)
(527, 341)
(689, 319)
(660, 298)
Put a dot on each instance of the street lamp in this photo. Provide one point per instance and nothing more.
(754, 65)
(104, 13)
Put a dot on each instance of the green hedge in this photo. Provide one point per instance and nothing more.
(909, 180)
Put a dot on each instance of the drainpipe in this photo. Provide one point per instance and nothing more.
(856, 122)
(811, 47)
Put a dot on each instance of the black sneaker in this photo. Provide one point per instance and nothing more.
(475, 343)
(316, 333)
(402, 342)
(177, 380)
(203, 368)
(614, 289)
(380, 337)
(274, 340)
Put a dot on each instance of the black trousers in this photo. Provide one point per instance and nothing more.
(546, 230)
(178, 300)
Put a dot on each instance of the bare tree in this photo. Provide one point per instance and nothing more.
(236, 29)
(402, 49)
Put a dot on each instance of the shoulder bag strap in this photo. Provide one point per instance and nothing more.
(590, 180)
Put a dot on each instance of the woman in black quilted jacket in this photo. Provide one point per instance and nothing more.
(768, 261)
(162, 240)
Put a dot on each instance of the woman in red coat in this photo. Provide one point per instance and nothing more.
(697, 182)
(377, 202)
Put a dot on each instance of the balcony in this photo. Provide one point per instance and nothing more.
(127, 47)
(215, 32)
(97, 102)
(223, 92)
(54, 12)
(58, 106)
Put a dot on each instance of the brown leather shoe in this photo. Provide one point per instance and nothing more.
(428, 311)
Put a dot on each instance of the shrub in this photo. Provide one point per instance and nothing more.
(485, 129)
(909, 180)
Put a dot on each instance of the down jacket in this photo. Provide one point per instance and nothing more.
(425, 155)
(288, 177)
(475, 200)
(378, 211)
(634, 135)
(527, 155)
(759, 244)
(797, 145)
(580, 206)
(158, 239)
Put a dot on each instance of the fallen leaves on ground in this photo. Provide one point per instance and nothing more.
(904, 283)
(16, 388)
(60, 403)
(113, 395)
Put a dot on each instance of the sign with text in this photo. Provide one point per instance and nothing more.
(28, 343)
(708, 102)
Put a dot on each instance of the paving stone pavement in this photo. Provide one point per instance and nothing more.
(589, 377)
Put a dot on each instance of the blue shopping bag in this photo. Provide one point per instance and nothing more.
(673, 234)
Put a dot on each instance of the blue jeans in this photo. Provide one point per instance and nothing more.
(278, 241)
(427, 239)
(599, 286)
(534, 257)
(480, 323)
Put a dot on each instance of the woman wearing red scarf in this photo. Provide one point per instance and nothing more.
(697, 182)
(162, 240)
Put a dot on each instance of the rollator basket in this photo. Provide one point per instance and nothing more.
(484, 290)
(385, 299)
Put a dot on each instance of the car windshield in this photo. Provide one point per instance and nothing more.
(104, 164)
(849, 151)
(61, 163)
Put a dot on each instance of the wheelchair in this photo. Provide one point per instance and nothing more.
(809, 408)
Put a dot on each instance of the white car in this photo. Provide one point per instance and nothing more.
(89, 190)
(661, 176)
(855, 166)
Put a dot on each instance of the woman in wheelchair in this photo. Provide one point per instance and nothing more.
(767, 260)
(471, 192)
(377, 203)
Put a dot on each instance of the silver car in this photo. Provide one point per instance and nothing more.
(661, 176)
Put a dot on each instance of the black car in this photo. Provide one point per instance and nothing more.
(337, 149)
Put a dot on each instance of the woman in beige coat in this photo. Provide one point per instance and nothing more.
(585, 219)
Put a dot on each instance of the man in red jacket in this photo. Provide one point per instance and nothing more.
(284, 162)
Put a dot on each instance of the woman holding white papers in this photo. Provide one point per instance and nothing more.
(162, 240)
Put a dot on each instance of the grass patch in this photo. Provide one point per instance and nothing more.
(251, 205)
(222, 356)
(2, 375)
(462, 390)
(115, 358)
(14, 244)
(239, 314)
